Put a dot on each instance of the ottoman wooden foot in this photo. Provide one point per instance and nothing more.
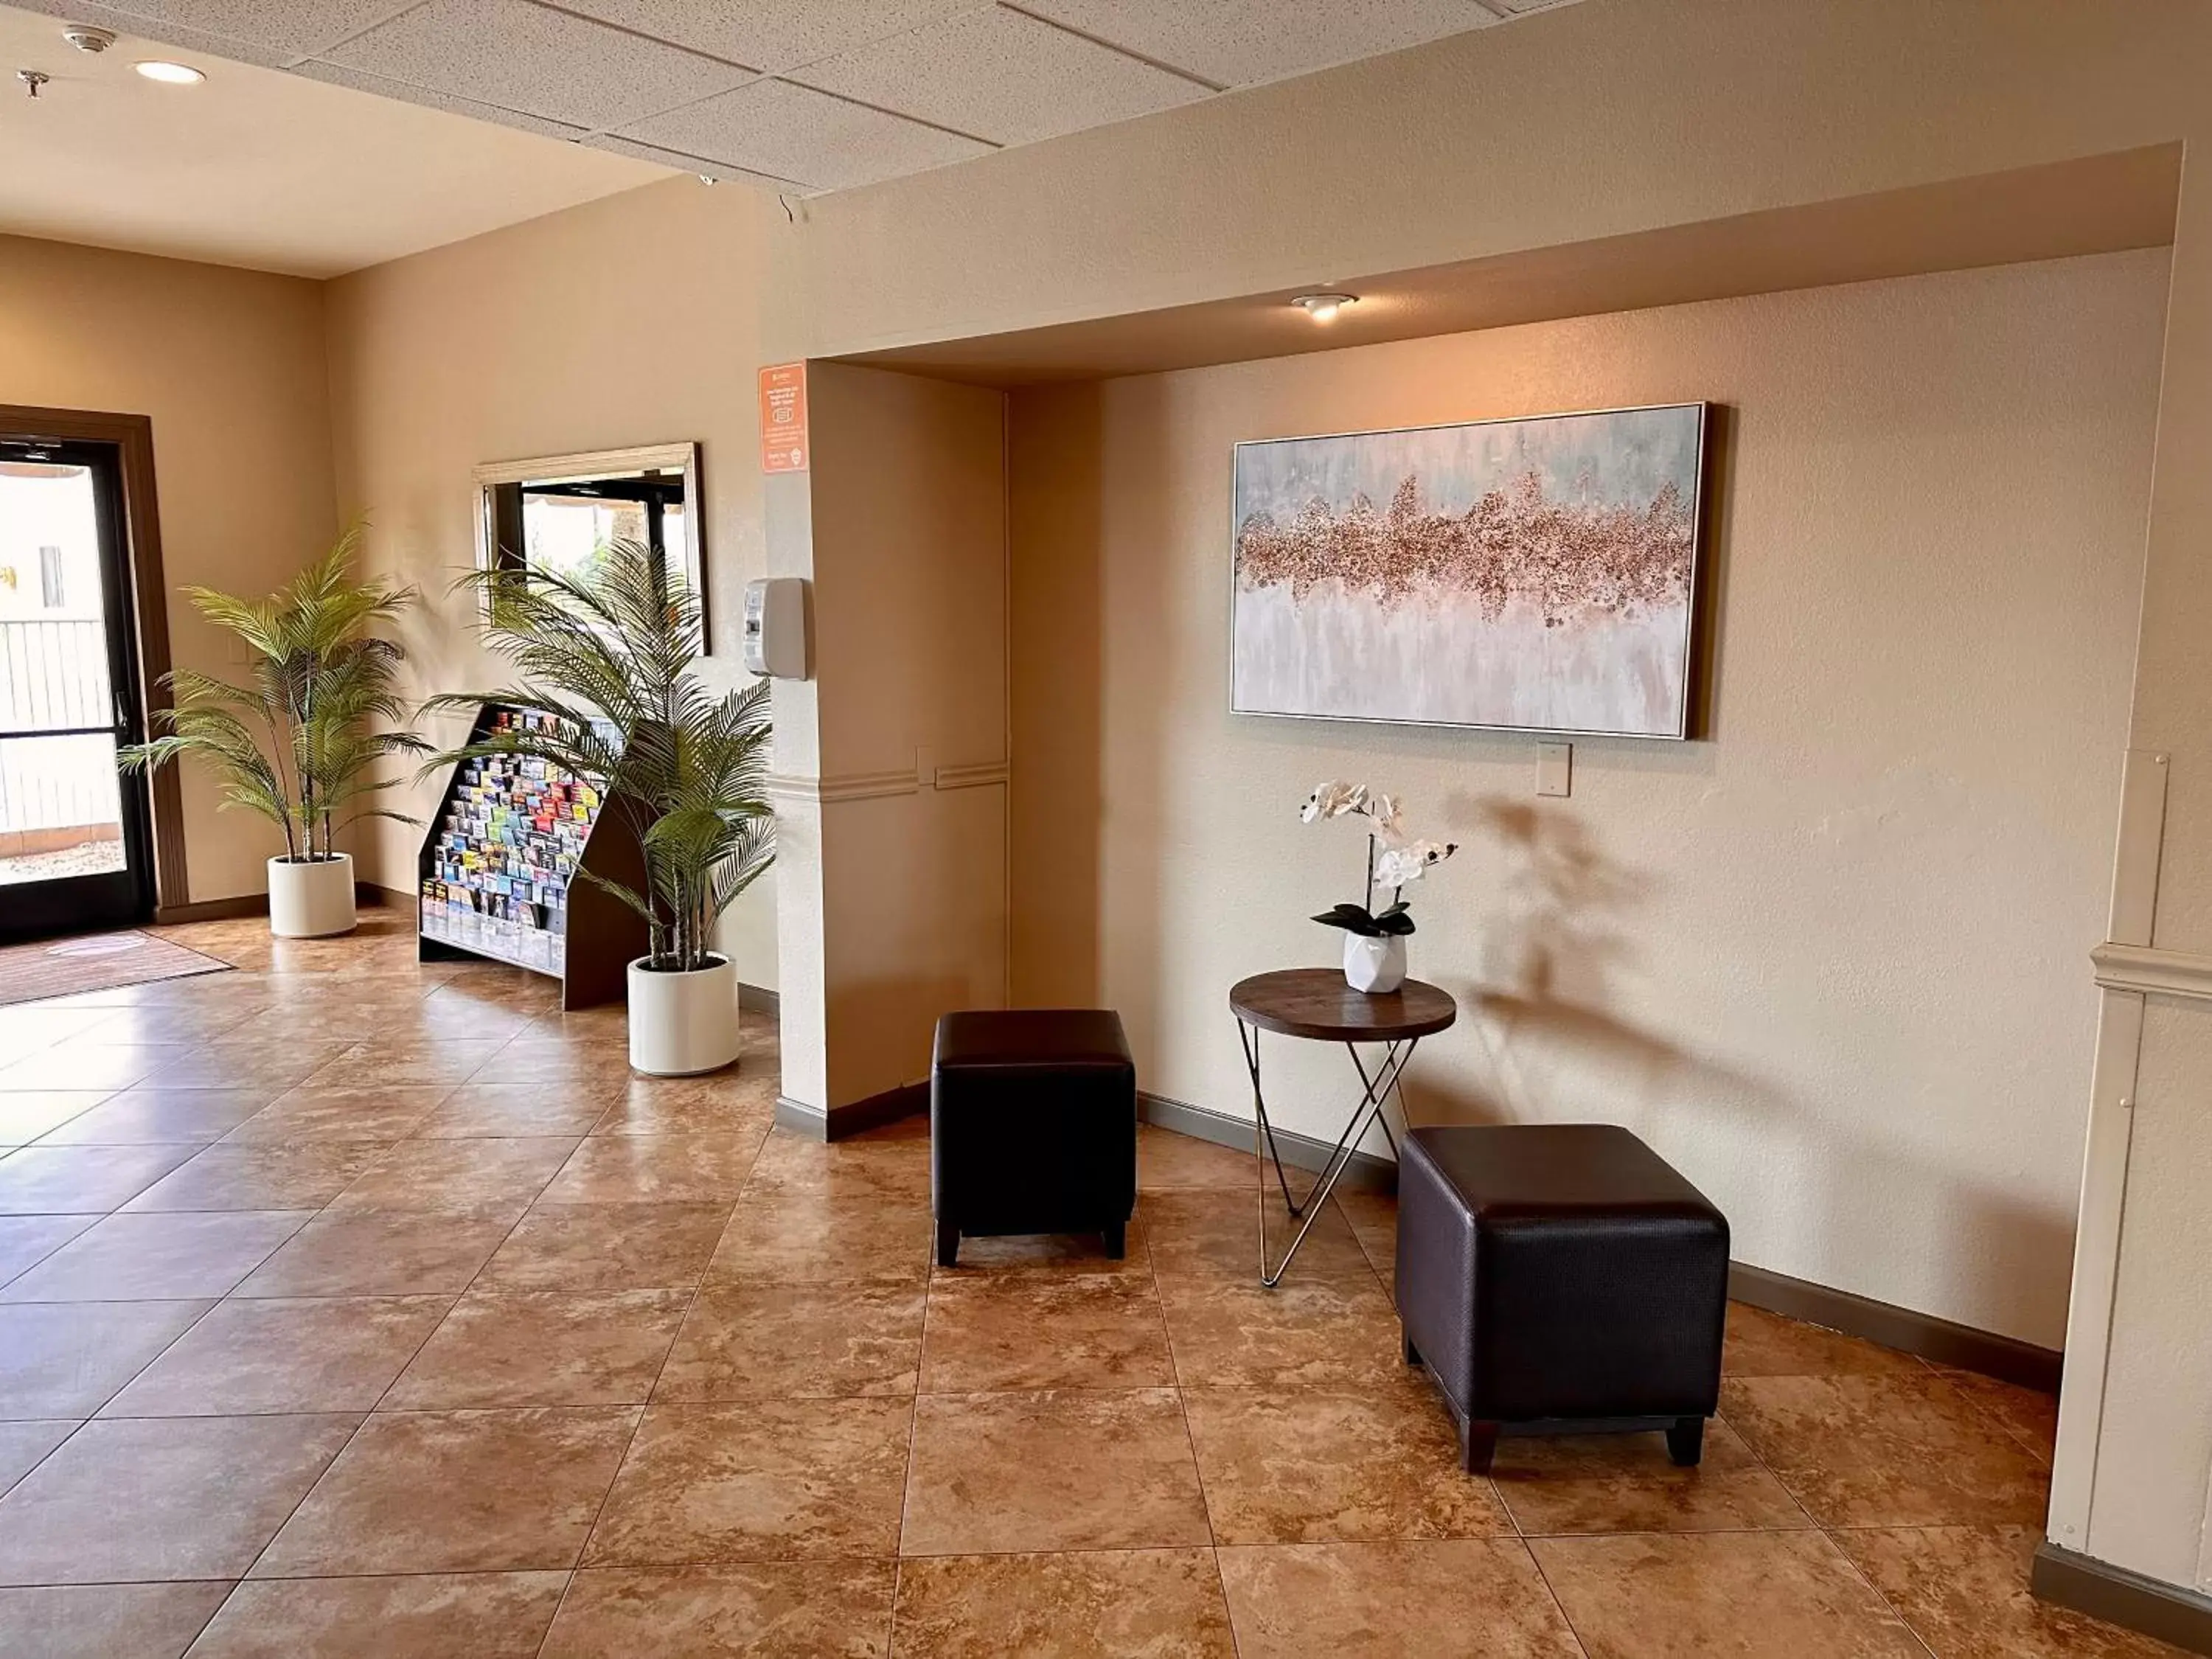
(1478, 1444)
(948, 1244)
(1412, 1353)
(1686, 1442)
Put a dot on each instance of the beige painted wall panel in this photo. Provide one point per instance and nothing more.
(1830, 961)
(230, 366)
(630, 320)
(2147, 1507)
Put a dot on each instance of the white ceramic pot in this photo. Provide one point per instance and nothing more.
(311, 899)
(1375, 965)
(681, 1024)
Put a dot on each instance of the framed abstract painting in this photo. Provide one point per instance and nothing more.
(1535, 575)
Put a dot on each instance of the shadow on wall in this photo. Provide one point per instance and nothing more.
(1815, 1191)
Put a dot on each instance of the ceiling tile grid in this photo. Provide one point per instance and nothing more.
(805, 95)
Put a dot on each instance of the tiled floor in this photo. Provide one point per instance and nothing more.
(349, 1307)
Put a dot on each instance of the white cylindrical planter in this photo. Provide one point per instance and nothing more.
(311, 898)
(681, 1024)
(1375, 965)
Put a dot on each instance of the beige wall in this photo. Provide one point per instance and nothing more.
(229, 365)
(1829, 960)
(909, 553)
(630, 320)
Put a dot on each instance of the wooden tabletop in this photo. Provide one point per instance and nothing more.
(1316, 1002)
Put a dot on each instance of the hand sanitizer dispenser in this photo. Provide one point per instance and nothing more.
(776, 626)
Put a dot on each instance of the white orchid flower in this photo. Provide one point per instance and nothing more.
(1385, 812)
(1334, 800)
(1399, 866)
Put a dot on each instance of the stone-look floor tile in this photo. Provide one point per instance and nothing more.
(378, 1064)
(28, 1117)
(1164, 1604)
(1763, 1344)
(1964, 1591)
(456, 1492)
(1065, 1469)
(741, 1341)
(480, 1111)
(1451, 1598)
(372, 1252)
(76, 1066)
(66, 1358)
(383, 1116)
(1305, 1468)
(319, 1354)
(1044, 1331)
(889, 1165)
(459, 1175)
(724, 1105)
(802, 1237)
(1306, 1332)
(141, 1499)
(1880, 1451)
(1626, 1483)
(596, 1071)
(822, 1609)
(607, 1247)
(1760, 1594)
(261, 1176)
(1214, 1235)
(995, 1256)
(766, 1480)
(24, 1446)
(145, 1258)
(1374, 1218)
(106, 1621)
(1166, 1162)
(2030, 1415)
(655, 1170)
(544, 1349)
(153, 1114)
(489, 1615)
(28, 1240)
(233, 1062)
(81, 1179)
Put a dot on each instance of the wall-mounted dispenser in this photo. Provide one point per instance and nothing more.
(776, 626)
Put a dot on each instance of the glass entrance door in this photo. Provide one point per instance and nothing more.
(76, 846)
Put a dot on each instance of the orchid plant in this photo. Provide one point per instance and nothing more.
(1395, 860)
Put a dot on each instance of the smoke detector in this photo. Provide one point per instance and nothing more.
(85, 38)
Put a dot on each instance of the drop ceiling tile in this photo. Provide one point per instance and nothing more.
(1003, 77)
(719, 171)
(514, 55)
(188, 45)
(287, 29)
(770, 35)
(791, 133)
(1240, 43)
(361, 81)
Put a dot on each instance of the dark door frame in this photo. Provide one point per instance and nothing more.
(133, 438)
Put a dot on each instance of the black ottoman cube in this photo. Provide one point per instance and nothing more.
(1033, 1126)
(1560, 1275)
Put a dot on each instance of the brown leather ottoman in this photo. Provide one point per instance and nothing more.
(1561, 1276)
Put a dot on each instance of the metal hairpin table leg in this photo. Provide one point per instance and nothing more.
(1376, 1093)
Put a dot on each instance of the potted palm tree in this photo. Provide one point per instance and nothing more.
(608, 655)
(293, 744)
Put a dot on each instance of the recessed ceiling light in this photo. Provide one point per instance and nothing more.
(1323, 307)
(175, 75)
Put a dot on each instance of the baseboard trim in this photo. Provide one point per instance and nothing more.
(221, 910)
(760, 999)
(1365, 1173)
(854, 1117)
(2117, 1596)
(1931, 1338)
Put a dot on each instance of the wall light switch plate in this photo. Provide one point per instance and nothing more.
(1555, 769)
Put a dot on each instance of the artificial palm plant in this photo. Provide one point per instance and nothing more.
(608, 658)
(294, 742)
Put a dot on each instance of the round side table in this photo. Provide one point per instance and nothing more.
(1315, 1004)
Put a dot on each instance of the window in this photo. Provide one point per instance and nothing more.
(50, 578)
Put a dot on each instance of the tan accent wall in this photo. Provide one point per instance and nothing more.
(630, 320)
(1827, 959)
(230, 366)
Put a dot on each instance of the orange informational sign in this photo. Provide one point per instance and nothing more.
(783, 417)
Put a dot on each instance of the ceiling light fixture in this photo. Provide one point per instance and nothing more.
(86, 37)
(1323, 307)
(169, 74)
